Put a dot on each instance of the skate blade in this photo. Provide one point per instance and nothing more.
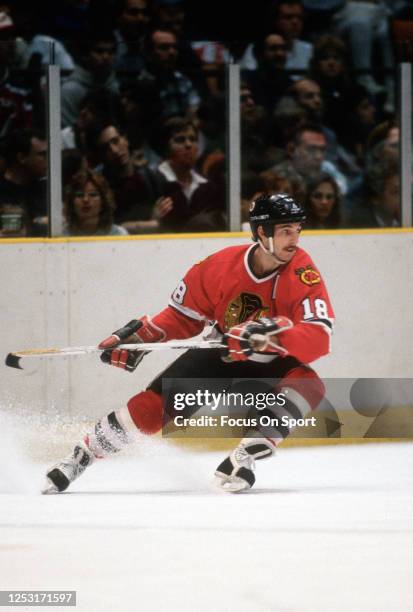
(235, 485)
(49, 488)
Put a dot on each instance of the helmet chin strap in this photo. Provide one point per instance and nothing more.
(270, 251)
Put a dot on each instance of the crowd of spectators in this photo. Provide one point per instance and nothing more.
(143, 107)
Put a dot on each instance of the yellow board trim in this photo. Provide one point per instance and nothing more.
(69, 239)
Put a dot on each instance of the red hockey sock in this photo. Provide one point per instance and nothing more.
(146, 411)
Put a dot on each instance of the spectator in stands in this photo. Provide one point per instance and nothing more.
(252, 186)
(36, 43)
(133, 21)
(137, 116)
(176, 93)
(211, 124)
(285, 180)
(384, 141)
(319, 15)
(88, 207)
(95, 106)
(269, 81)
(11, 34)
(72, 162)
(16, 109)
(93, 72)
(306, 153)
(330, 69)
(23, 185)
(358, 123)
(214, 56)
(257, 155)
(381, 205)
(286, 17)
(288, 116)
(364, 23)
(170, 15)
(138, 190)
(307, 93)
(322, 203)
(190, 193)
(309, 96)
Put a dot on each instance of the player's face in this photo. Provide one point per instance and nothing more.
(286, 237)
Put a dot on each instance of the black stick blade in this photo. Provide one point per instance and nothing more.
(13, 361)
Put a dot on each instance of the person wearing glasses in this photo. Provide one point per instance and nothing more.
(89, 206)
(322, 203)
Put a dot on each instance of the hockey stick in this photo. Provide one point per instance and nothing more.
(13, 359)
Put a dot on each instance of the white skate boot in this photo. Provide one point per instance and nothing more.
(59, 477)
(108, 436)
(236, 473)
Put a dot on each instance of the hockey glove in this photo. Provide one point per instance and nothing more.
(255, 337)
(137, 330)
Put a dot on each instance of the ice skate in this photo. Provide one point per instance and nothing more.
(106, 438)
(61, 475)
(236, 473)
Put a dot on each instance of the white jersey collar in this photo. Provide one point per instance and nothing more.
(250, 273)
(168, 172)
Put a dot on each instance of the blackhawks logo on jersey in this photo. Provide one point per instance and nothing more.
(244, 306)
(308, 275)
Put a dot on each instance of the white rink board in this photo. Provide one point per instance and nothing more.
(59, 293)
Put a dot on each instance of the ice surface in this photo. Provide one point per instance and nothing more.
(325, 528)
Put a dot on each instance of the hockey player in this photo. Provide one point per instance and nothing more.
(274, 315)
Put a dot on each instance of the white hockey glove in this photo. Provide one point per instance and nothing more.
(256, 337)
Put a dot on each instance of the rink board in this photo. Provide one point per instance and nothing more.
(75, 291)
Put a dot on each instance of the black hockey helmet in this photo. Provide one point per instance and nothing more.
(268, 210)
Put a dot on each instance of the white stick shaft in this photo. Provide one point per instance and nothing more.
(149, 346)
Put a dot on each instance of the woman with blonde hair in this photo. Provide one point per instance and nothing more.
(89, 205)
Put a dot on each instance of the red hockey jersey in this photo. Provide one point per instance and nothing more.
(223, 288)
